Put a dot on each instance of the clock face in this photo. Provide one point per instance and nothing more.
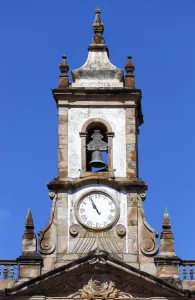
(97, 211)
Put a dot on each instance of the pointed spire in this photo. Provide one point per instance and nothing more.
(63, 78)
(29, 220)
(30, 262)
(98, 71)
(166, 237)
(98, 26)
(29, 226)
(167, 262)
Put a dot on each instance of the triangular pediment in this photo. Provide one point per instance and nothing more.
(97, 275)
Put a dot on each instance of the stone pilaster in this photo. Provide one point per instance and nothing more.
(167, 262)
(132, 230)
(83, 136)
(62, 142)
(62, 228)
(131, 139)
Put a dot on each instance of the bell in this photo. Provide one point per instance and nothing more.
(97, 160)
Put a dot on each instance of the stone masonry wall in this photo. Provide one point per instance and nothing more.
(131, 140)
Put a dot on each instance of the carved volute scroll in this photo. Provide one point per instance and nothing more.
(148, 238)
(45, 244)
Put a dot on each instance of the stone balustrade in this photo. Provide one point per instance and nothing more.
(187, 274)
(8, 273)
(187, 271)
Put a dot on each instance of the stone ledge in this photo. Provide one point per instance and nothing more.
(118, 183)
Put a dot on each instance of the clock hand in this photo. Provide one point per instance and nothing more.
(94, 206)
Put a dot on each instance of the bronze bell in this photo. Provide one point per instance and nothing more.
(97, 160)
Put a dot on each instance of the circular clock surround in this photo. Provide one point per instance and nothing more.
(97, 210)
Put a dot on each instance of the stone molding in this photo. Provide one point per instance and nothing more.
(117, 183)
(96, 120)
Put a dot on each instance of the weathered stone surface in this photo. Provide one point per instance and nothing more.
(31, 271)
(131, 139)
(148, 267)
(62, 142)
(188, 285)
(6, 284)
(168, 270)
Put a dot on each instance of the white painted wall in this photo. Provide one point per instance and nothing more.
(115, 117)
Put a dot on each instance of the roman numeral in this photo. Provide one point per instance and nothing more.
(84, 217)
(110, 217)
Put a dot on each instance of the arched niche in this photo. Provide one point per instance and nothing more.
(86, 131)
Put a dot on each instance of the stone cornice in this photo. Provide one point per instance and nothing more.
(116, 183)
(96, 96)
(99, 97)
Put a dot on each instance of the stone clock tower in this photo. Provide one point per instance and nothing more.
(97, 197)
(97, 243)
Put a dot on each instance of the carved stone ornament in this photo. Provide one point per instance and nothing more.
(45, 243)
(120, 230)
(74, 230)
(97, 143)
(142, 196)
(95, 288)
(52, 195)
(149, 247)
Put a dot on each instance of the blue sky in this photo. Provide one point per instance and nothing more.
(160, 37)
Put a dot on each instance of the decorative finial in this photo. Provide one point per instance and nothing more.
(166, 225)
(63, 78)
(98, 28)
(129, 78)
(167, 243)
(29, 220)
(29, 226)
(30, 262)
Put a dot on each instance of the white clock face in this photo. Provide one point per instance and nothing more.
(97, 211)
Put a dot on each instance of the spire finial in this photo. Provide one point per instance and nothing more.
(98, 26)
(29, 220)
(129, 77)
(63, 78)
(166, 225)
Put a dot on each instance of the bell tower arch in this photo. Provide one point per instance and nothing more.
(97, 196)
(96, 144)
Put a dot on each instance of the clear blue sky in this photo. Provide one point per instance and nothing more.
(160, 37)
